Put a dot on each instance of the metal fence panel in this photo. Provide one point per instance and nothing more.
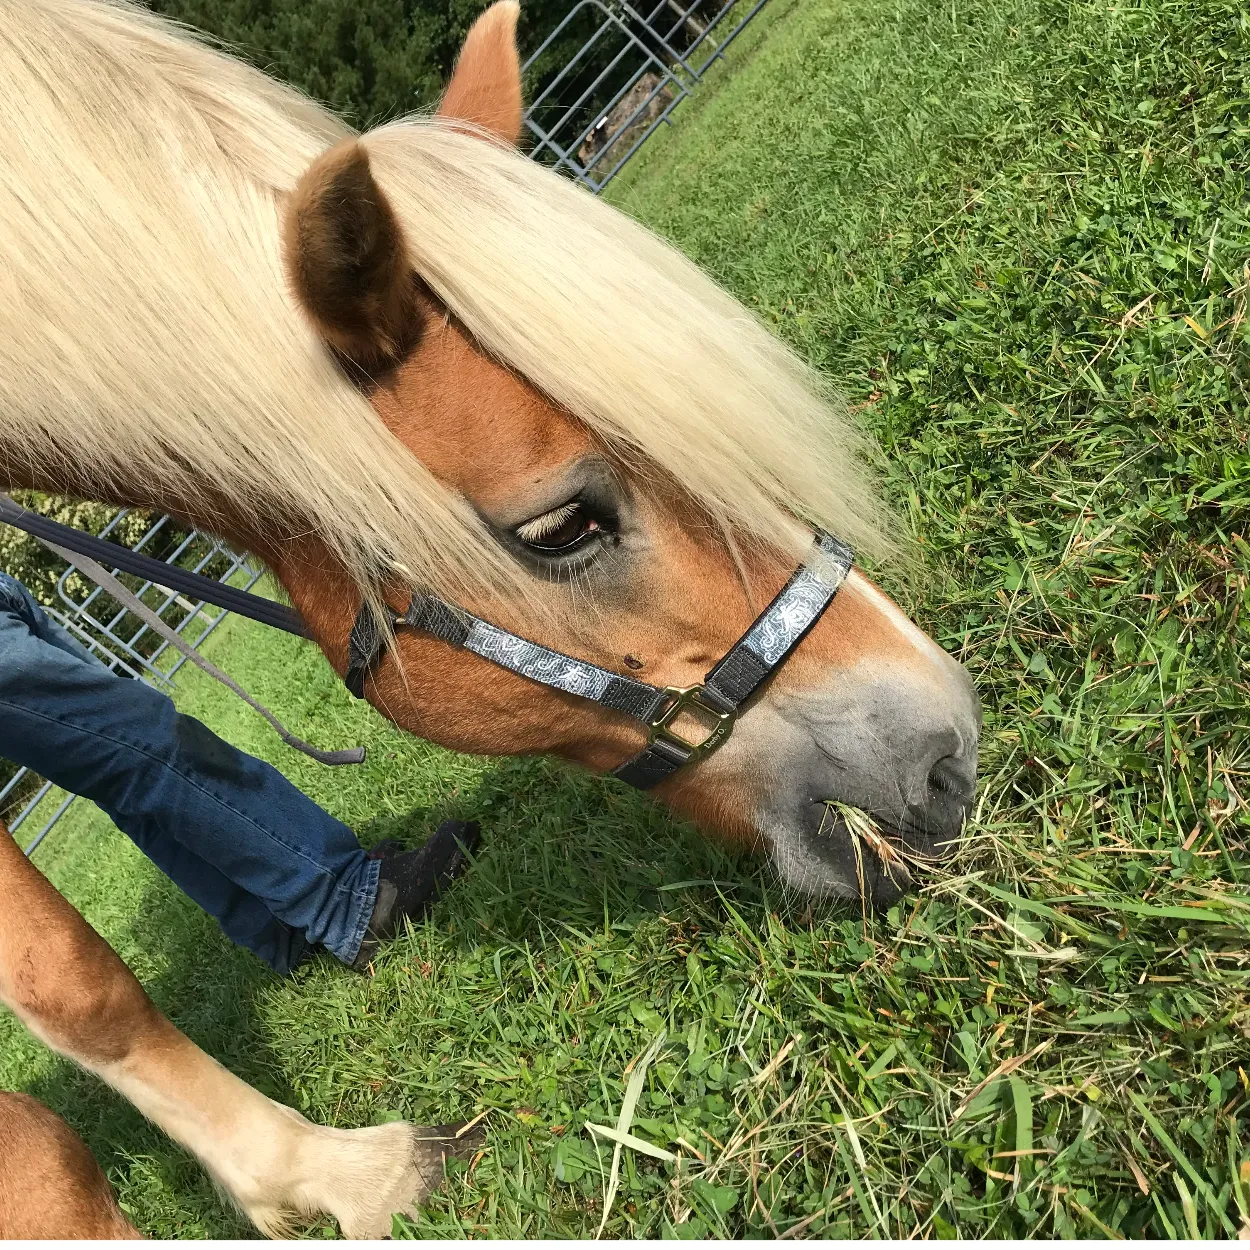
(633, 69)
(123, 633)
(604, 102)
(696, 34)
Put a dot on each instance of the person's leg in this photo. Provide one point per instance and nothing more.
(275, 870)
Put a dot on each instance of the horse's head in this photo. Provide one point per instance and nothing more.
(622, 554)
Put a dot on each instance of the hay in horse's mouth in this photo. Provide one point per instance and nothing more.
(897, 863)
(860, 825)
(864, 830)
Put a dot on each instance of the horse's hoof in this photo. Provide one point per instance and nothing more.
(428, 1148)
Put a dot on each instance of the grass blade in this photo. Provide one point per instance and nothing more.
(1189, 1207)
(630, 1142)
(1170, 1146)
(632, 1091)
(1023, 1103)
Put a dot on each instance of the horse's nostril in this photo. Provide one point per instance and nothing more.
(946, 777)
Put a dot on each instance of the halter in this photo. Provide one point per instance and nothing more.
(740, 672)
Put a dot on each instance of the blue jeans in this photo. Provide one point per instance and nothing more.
(277, 873)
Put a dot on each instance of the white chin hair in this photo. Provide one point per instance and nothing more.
(803, 870)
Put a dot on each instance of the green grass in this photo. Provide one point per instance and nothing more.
(1014, 233)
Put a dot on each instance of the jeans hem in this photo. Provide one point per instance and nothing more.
(374, 870)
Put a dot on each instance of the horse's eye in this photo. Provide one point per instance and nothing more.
(560, 531)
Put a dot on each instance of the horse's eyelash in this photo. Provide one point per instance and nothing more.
(548, 523)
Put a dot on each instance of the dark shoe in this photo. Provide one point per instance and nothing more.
(410, 881)
(388, 848)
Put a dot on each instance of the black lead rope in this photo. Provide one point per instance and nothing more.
(765, 646)
(74, 551)
(170, 576)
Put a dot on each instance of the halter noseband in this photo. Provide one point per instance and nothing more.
(768, 643)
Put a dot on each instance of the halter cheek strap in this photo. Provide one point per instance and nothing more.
(733, 679)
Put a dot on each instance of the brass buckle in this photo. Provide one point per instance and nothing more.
(684, 700)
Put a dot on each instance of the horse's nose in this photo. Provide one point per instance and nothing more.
(935, 816)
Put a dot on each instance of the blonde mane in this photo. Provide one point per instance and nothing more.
(147, 333)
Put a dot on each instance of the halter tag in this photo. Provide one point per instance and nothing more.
(688, 699)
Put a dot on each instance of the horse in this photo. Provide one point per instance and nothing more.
(414, 364)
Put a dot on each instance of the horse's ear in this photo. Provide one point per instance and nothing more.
(485, 86)
(346, 259)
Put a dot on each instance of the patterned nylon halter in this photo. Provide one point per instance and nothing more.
(715, 703)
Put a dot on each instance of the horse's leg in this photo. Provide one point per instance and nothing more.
(50, 1185)
(70, 989)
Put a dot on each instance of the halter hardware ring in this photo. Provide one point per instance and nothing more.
(682, 699)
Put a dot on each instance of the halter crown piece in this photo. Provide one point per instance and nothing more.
(740, 672)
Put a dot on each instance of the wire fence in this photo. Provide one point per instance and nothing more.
(596, 109)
